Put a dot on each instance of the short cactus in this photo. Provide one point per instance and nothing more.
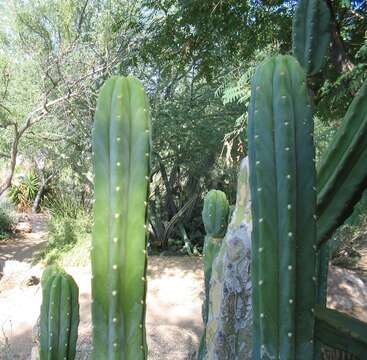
(215, 213)
(121, 145)
(311, 34)
(59, 316)
(215, 218)
(282, 181)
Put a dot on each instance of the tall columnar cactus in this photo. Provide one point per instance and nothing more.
(282, 180)
(59, 316)
(342, 175)
(215, 217)
(121, 144)
(311, 34)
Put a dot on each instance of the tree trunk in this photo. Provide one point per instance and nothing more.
(40, 192)
(13, 161)
(338, 54)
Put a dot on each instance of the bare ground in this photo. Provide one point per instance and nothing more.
(175, 290)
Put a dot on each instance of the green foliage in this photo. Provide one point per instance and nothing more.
(323, 135)
(7, 219)
(59, 317)
(61, 233)
(121, 166)
(66, 236)
(24, 192)
(208, 33)
(64, 204)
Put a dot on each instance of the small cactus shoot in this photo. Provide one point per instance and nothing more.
(59, 316)
(121, 145)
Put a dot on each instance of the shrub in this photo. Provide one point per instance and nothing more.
(24, 192)
(62, 204)
(349, 239)
(61, 232)
(66, 233)
(6, 219)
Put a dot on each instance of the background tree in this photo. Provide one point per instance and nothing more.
(195, 60)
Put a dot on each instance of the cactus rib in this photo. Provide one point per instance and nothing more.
(121, 144)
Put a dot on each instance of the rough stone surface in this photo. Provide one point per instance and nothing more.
(230, 319)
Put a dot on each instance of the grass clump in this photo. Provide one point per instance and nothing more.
(69, 232)
(68, 240)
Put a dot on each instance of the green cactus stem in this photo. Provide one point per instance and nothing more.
(340, 331)
(342, 175)
(59, 317)
(282, 180)
(323, 257)
(311, 34)
(215, 218)
(215, 213)
(121, 145)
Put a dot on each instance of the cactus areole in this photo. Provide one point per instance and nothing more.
(282, 181)
(121, 145)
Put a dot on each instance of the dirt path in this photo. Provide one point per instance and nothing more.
(173, 301)
(25, 246)
(173, 310)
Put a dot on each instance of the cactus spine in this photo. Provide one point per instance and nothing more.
(215, 218)
(311, 34)
(282, 180)
(59, 317)
(121, 144)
